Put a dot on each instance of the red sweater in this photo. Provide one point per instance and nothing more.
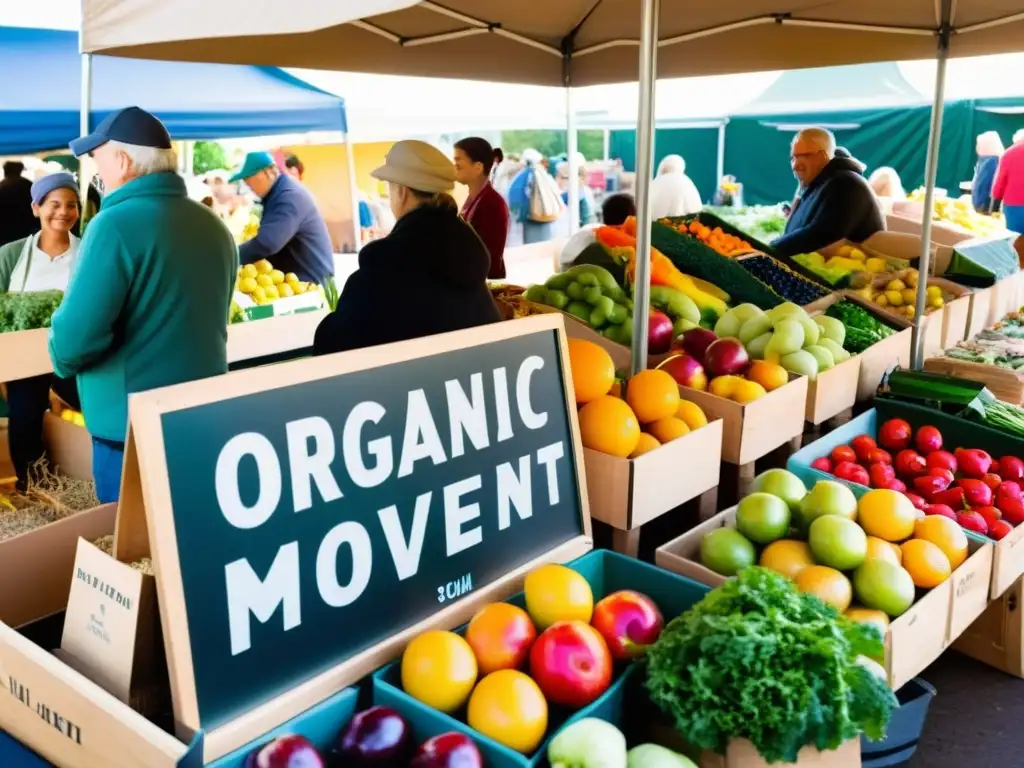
(487, 213)
(1009, 183)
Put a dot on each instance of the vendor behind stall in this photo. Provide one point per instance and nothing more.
(40, 262)
(148, 303)
(429, 275)
(835, 201)
(292, 233)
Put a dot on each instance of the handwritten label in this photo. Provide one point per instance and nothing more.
(61, 724)
(964, 583)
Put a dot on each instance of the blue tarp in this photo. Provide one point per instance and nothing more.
(40, 95)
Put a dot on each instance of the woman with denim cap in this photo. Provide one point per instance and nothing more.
(40, 262)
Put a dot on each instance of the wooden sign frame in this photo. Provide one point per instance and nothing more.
(146, 525)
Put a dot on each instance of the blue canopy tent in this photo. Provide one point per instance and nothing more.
(41, 74)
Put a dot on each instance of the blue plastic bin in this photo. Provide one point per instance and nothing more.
(606, 572)
(904, 730)
(800, 462)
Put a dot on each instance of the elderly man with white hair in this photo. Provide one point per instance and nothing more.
(149, 296)
(673, 193)
(835, 201)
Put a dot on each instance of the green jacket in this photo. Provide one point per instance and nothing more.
(148, 300)
(9, 255)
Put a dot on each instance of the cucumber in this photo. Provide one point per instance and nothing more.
(592, 295)
(558, 282)
(618, 315)
(586, 278)
(537, 294)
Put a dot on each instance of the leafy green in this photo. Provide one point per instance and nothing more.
(862, 328)
(28, 311)
(330, 292)
(756, 659)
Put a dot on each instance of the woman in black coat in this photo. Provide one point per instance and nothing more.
(429, 275)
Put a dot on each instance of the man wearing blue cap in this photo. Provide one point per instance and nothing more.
(150, 292)
(292, 234)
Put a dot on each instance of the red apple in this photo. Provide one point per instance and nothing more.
(894, 435)
(881, 475)
(917, 501)
(628, 621)
(976, 493)
(852, 473)
(1000, 530)
(863, 445)
(696, 341)
(448, 750)
(571, 663)
(376, 736)
(726, 357)
(822, 464)
(928, 439)
(659, 333)
(879, 455)
(952, 497)
(1012, 509)
(939, 509)
(945, 474)
(972, 521)
(897, 485)
(842, 453)
(687, 372)
(991, 515)
(909, 463)
(941, 460)
(1011, 468)
(992, 480)
(973, 462)
(288, 751)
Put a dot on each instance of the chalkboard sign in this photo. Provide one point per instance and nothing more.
(316, 519)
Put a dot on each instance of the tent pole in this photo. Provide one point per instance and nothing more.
(644, 173)
(574, 172)
(720, 168)
(607, 144)
(930, 173)
(84, 126)
(353, 192)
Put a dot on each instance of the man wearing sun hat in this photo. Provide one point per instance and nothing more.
(150, 292)
(429, 275)
(292, 234)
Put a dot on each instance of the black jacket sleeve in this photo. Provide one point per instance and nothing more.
(839, 206)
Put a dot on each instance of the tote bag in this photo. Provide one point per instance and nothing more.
(545, 198)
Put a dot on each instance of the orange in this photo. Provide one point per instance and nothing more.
(884, 550)
(724, 386)
(646, 444)
(787, 557)
(652, 395)
(747, 392)
(886, 514)
(593, 371)
(768, 375)
(826, 584)
(439, 669)
(691, 413)
(946, 535)
(500, 635)
(869, 616)
(927, 565)
(510, 708)
(608, 425)
(668, 429)
(557, 593)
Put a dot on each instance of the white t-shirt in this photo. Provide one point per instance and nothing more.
(45, 273)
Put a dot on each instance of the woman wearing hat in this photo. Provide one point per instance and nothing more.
(429, 275)
(40, 262)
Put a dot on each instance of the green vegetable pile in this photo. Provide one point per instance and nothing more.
(591, 294)
(862, 328)
(758, 660)
(28, 311)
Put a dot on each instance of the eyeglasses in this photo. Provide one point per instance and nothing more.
(805, 155)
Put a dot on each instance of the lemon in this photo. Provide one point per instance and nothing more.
(934, 290)
(259, 294)
(938, 302)
(284, 290)
(881, 300)
(909, 295)
(249, 270)
(277, 276)
(895, 297)
(291, 277)
(264, 280)
(78, 419)
(896, 285)
(271, 293)
(247, 284)
(263, 267)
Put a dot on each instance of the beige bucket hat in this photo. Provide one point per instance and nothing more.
(419, 166)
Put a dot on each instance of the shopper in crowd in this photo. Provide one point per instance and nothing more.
(587, 202)
(614, 211)
(432, 267)
(1008, 187)
(292, 235)
(499, 158)
(834, 201)
(294, 167)
(990, 149)
(886, 183)
(16, 218)
(673, 193)
(484, 210)
(149, 297)
(529, 188)
(40, 262)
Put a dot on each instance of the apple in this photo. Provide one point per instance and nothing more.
(881, 475)
(863, 445)
(827, 497)
(976, 493)
(697, 340)
(1000, 530)
(894, 435)
(628, 621)
(972, 521)
(288, 751)
(822, 464)
(726, 357)
(1012, 508)
(687, 372)
(941, 460)
(939, 509)
(376, 736)
(843, 453)
(879, 455)
(910, 463)
(927, 440)
(448, 750)
(1011, 468)
(571, 663)
(973, 462)
(917, 501)
(852, 473)
(991, 515)
(781, 483)
(659, 333)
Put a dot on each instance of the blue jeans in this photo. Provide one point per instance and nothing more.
(1014, 218)
(106, 470)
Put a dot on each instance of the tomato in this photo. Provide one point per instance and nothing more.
(894, 435)
(500, 635)
(509, 707)
(439, 669)
(863, 445)
(843, 453)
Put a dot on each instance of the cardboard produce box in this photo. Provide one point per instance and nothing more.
(996, 638)
(24, 354)
(914, 640)
(500, 493)
(741, 754)
(68, 445)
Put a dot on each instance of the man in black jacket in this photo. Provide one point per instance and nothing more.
(16, 217)
(835, 200)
